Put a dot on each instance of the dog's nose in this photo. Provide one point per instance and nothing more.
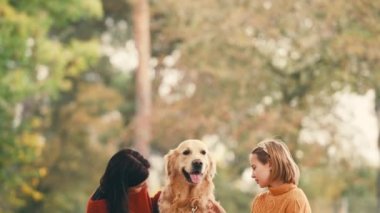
(197, 164)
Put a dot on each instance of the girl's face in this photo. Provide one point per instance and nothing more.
(260, 171)
(138, 188)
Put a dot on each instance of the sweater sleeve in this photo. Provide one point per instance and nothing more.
(97, 206)
(155, 202)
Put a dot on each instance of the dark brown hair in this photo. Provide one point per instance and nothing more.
(127, 168)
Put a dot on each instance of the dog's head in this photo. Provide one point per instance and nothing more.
(192, 161)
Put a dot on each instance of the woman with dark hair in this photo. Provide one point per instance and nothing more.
(123, 186)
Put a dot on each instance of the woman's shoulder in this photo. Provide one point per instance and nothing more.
(96, 206)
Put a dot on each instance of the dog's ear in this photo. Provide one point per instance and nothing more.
(212, 167)
(169, 162)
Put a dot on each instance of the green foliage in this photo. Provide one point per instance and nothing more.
(260, 68)
(229, 195)
(56, 96)
(79, 144)
(33, 67)
(60, 13)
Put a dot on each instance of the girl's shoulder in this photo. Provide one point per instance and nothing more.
(298, 193)
(297, 198)
(259, 200)
(298, 202)
(261, 196)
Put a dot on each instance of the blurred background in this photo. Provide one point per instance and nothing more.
(80, 79)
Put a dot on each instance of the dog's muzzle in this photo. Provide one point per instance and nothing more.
(196, 175)
(197, 166)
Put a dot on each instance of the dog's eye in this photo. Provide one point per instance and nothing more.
(203, 152)
(186, 152)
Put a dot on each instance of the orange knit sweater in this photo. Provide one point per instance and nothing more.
(286, 198)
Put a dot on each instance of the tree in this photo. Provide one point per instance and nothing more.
(242, 70)
(142, 126)
(259, 68)
(34, 68)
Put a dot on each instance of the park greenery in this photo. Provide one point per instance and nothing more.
(230, 72)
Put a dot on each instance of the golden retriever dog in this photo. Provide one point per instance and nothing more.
(189, 187)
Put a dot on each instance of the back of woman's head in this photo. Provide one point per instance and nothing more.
(127, 168)
(277, 154)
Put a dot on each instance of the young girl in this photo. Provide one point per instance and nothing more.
(273, 167)
(123, 186)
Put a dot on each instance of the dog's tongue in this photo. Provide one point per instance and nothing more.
(196, 178)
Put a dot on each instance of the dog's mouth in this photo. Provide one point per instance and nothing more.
(193, 177)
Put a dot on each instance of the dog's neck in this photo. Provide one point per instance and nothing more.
(191, 196)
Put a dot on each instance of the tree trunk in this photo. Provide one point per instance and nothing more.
(377, 108)
(142, 127)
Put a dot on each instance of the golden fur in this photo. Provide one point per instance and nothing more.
(181, 195)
